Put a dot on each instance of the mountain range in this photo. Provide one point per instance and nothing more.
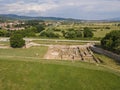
(17, 17)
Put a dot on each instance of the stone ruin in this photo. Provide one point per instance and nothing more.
(73, 53)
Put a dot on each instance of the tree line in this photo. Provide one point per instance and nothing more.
(68, 34)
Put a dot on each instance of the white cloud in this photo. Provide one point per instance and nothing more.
(26, 7)
(67, 8)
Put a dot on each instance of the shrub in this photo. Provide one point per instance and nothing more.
(16, 41)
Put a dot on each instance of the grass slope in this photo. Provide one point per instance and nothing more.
(59, 42)
(26, 52)
(47, 75)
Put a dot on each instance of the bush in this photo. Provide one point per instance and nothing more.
(16, 41)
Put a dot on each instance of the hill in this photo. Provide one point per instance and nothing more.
(17, 17)
(113, 19)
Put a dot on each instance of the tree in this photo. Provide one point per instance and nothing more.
(8, 26)
(16, 41)
(112, 41)
(49, 34)
(78, 34)
(70, 34)
(88, 32)
(32, 22)
(39, 28)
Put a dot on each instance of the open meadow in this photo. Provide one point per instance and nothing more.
(54, 75)
(100, 29)
(21, 69)
(33, 52)
(55, 42)
(60, 45)
(27, 68)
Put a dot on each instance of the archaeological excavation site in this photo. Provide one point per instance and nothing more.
(73, 53)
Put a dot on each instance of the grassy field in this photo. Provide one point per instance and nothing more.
(24, 69)
(101, 33)
(35, 52)
(21, 69)
(100, 28)
(109, 62)
(3, 43)
(58, 42)
(16, 74)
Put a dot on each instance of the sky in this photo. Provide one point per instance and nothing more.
(77, 9)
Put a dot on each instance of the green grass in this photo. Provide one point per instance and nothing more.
(99, 27)
(26, 52)
(4, 43)
(22, 69)
(58, 42)
(55, 75)
(101, 33)
(109, 62)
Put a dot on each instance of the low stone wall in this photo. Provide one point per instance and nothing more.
(105, 52)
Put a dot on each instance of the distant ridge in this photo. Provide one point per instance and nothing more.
(114, 19)
(18, 17)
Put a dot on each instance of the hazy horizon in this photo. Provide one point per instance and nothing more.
(77, 9)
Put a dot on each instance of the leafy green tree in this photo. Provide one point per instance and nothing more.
(119, 24)
(78, 34)
(49, 34)
(39, 28)
(88, 32)
(32, 22)
(16, 41)
(3, 33)
(63, 32)
(8, 26)
(112, 41)
(70, 34)
(29, 32)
